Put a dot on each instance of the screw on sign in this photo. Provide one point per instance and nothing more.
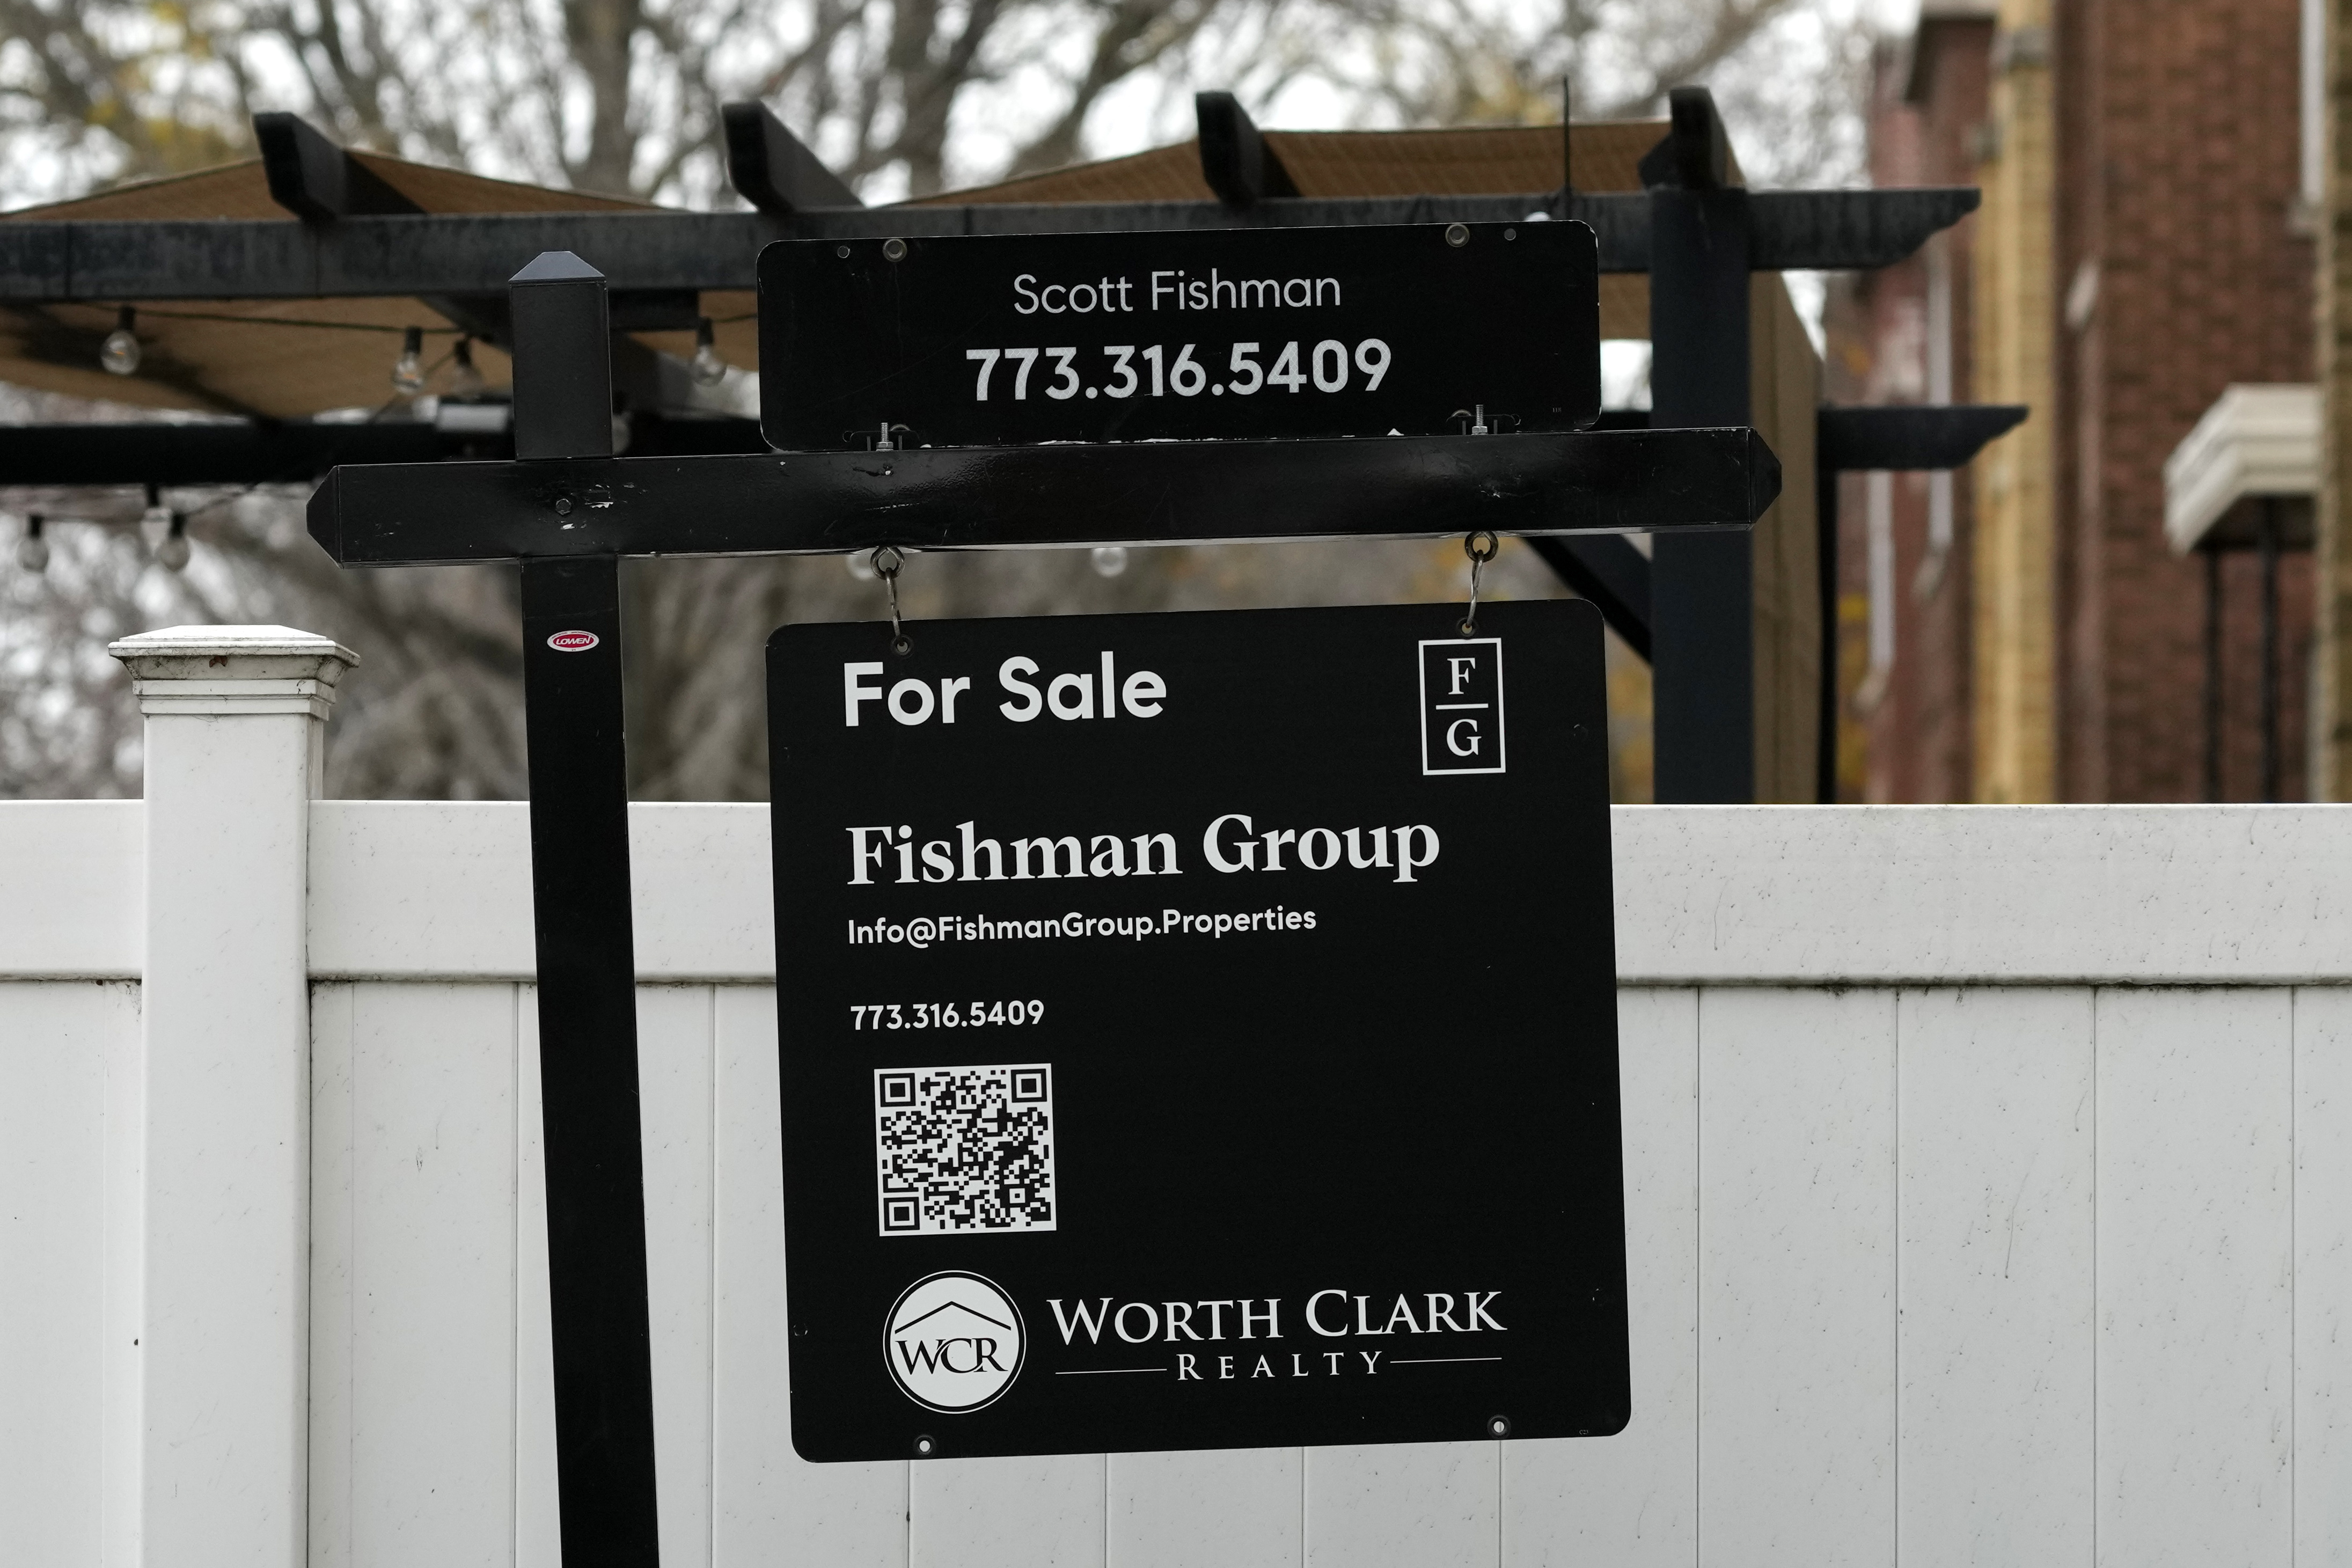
(573, 642)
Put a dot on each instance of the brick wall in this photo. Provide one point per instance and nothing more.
(2177, 180)
(2175, 268)
(1914, 743)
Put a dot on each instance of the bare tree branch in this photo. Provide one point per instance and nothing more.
(622, 96)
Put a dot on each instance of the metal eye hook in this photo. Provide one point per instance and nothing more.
(1478, 559)
(887, 559)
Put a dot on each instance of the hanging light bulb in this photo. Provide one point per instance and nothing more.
(706, 368)
(155, 523)
(408, 370)
(32, 550)
(120, 352)
(465, 381)
(172, 550)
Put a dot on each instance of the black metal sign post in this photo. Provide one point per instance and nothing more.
(1198, 1031)
(587, 968)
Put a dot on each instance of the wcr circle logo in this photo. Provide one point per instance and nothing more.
(953, 1341)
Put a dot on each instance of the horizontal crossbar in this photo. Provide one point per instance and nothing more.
(1911, 437)
(299, 450)
(441, 254)
(980, 498)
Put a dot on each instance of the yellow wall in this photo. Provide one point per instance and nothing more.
(2015, 672)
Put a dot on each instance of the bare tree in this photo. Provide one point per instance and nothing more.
(1787, 72)
(904, 97)
(615, 96)
(619, 96)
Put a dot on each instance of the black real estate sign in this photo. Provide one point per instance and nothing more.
(1198, 1031)
(1229, 334)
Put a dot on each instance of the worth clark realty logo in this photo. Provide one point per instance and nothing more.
(954, 1341)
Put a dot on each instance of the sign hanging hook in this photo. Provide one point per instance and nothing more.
(1479, 556)
(887, 559)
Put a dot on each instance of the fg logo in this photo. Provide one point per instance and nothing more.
(1462, 706)
(953, 1341)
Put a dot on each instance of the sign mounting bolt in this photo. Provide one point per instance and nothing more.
(1457, 234)
(894, 249)
(563, 506)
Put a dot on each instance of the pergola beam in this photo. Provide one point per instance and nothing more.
(302, 451)
(1234, 159)
(463, 254)
(1910, 437)
(316, 180)
(1610, 572)
(773, 169)
(1694, 154)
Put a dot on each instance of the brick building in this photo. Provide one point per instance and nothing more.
(2024, 631)
(1903, 334)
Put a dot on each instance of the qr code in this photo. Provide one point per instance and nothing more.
(964, 1149)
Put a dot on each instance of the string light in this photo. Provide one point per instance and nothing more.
(156, 523)
(465, 381)
(706, 368)
(120, 354)
(408, 370)
(32, 550)
(172, 550)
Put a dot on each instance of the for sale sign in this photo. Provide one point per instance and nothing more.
(1198, 1031)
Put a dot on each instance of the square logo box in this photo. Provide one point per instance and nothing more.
(1461, 705)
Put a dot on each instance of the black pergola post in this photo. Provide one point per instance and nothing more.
(587, 968)
(2212, 673)
(2267, 542)
(1888, 437)
(1702, 616)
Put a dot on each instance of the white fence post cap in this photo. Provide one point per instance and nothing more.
(234, 670)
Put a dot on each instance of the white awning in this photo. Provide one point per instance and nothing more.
(2256, 441)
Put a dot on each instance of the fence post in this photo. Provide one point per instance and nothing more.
(235, 718)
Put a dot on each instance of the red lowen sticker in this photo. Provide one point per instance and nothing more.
(573, 642)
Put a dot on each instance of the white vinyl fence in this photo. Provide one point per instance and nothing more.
(1989, 1186)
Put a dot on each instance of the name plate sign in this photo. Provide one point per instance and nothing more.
(1206, 334)
(1198, 1031)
